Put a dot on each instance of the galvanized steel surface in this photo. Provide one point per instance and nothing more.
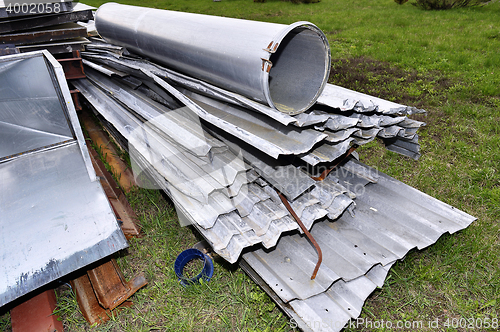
(191, 83)
(344, 129)
(53, 220)
(349, 100)
(407, 147)
(262, 132)
(54, 215)
(332, 310)
(390, 219)
(252, 216)
(285, 67)
(287, 140)
(329, 311)
(31, 116)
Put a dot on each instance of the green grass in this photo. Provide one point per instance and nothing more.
(229, 302)
(444, 61)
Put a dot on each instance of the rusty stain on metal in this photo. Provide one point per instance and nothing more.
(306, 232)
(273, 49)
(268, 48)
(270, 64)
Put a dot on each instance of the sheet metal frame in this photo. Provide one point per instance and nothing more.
(104, 236)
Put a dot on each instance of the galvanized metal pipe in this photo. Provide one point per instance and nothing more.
(285, 67)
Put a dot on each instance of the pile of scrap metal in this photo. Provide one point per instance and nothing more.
(234, 120)
(51, 25)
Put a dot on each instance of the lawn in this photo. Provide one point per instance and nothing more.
(447, 62)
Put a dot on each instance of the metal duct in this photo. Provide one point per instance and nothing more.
(283, 66)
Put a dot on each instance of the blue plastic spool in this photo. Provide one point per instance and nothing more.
(185, 257)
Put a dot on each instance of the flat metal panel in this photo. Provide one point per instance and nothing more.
(31, 113)
(16, 139)
(53, 220)
(54, 215)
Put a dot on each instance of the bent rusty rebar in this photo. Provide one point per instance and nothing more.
(306, 232)
(328, 170)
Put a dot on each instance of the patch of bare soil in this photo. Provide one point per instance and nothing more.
(383, 80)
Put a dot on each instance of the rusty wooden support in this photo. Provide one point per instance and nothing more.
(76, 101)
(100, 138)
(88, 303)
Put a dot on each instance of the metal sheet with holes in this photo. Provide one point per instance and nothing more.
(390, 219)
(329, 311)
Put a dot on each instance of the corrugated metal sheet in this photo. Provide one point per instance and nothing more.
(248, 218)
(407, 147)
(332, 310)
(390, 219)
(128, 64)
(358, 248)
(363, 220)
(339, 123)
(349, 100)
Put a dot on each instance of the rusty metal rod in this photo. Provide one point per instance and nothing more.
(306, 232)
(328, 170)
